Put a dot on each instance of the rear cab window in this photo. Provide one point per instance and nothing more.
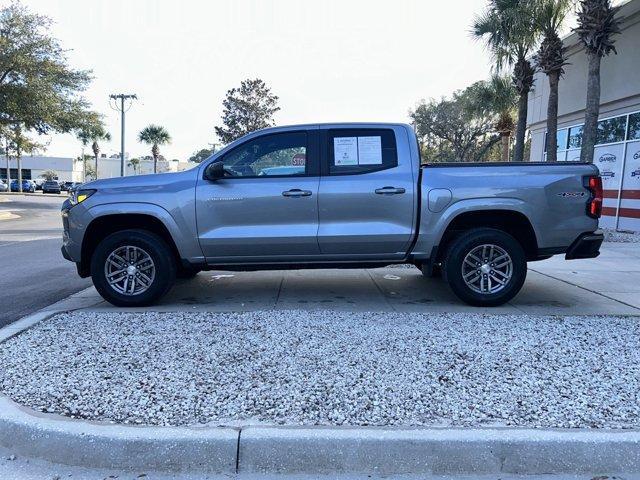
(352, 151)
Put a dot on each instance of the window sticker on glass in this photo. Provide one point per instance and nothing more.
(345, 150)
(370, 150)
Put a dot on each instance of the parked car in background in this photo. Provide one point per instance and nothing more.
(63, 186)
(39, 182)
(341, 195)
(51, 186)
(27, 186)
(74, 186)
(3, 186)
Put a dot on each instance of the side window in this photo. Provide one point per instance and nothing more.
(353, 151)
(270, 155)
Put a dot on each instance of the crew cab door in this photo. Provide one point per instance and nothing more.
(266, 204)
(366, 194)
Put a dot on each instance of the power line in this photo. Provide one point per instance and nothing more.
(124, 98)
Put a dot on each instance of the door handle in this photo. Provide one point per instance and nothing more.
(296, 192)
(389, 191)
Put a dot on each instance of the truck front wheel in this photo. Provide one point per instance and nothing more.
(485, 267)
(132, 268)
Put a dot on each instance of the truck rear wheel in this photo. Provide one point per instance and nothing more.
(132, 268)
(485, 267)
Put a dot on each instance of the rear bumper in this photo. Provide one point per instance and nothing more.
(586, 245)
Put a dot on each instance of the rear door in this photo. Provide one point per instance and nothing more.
(266, 205)
(366, 194)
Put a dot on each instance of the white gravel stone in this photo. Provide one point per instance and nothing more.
(621, 237)
(329, 368)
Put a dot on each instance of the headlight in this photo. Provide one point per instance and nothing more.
(79, 196)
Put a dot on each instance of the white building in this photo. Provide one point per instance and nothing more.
(72, 170)
(67, 169)
(617, 154)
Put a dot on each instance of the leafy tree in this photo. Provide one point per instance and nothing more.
(454, 129)
(38, 90)
(50, 174)
(597, 25)
(550, 59)
(247, 108)
(496, 99)
(201, 155)
(509, 32)
(154, 135)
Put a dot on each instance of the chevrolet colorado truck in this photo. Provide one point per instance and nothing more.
(332, 196)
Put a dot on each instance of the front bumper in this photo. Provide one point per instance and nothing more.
(586, 245)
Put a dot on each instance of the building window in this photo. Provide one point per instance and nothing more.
(634, 127)
(611, 130)
(561, 139)
(575, 137)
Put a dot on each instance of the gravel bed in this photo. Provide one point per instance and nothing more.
(330, 368)
(621, 237)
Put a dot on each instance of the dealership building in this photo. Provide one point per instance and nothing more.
(617, 153)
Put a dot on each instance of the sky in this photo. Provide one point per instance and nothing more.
(328, 61)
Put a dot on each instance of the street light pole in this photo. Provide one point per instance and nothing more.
(121, 108)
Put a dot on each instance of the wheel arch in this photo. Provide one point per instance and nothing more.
(104, 225)
(510, 221)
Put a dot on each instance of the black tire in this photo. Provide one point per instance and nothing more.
(465, 244)
(155, 247)
(187, 272)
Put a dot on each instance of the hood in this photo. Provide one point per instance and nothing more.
(157, 179)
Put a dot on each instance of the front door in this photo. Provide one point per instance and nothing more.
(266, 205)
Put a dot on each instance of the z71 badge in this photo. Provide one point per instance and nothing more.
(571, 194)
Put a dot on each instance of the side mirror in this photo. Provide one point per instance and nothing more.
(214, 171)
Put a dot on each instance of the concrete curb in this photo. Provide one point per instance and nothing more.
(437, 451)
(316, 450)
(76, 442)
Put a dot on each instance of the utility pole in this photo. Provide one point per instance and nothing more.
(123, 97)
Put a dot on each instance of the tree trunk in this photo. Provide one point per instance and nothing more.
(518, 151)
(504, 138)
(6, 152)
(592, 110)
(155, 164)
(96, 162)
(552, 117)
(19, 161)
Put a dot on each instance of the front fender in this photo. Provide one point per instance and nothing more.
(181, 231)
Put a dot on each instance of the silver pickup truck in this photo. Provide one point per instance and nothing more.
(332, 196)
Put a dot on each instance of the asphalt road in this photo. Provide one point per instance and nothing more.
(34, 273)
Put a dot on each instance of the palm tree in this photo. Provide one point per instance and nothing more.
(550, 59)
(93, 133)
(498, 98)
(154, 135)
(508, 29)
(98, 135)
(597, 24)
(134, 162)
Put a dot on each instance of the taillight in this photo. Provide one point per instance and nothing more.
(594, 207)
